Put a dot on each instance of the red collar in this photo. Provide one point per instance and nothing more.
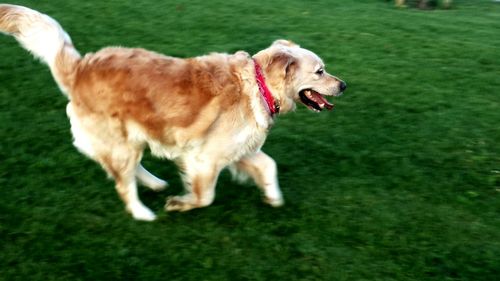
(272, 106)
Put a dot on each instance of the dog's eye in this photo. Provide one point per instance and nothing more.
(320, 71)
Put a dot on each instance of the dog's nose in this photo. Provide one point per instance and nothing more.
(343, 86)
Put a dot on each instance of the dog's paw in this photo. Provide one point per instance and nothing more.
(141, 212)
(153, 183)
(274, 202)
(158, 185)
(178, 203)
(149, 180)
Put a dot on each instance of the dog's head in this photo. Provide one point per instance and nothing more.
(296, 74)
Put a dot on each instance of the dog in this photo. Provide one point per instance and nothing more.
(204, 113)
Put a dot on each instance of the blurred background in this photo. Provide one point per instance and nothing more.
(400, 182)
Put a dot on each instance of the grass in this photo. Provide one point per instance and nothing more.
(400, 182)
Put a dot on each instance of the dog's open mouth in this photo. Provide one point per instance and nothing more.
(314, 100)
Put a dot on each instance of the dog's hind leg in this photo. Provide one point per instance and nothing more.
(199, 179)
(121, 163)
(100, 140)
(263, 170)
(149, 180)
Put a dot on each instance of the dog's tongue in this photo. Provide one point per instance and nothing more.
(319, 99)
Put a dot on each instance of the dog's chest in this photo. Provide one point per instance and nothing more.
(250, 137)
(244, 141)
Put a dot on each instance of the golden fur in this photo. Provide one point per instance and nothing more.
(205, 113)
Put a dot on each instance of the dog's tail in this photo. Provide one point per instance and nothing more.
(44, 38)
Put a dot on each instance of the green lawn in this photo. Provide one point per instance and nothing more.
(400, 182)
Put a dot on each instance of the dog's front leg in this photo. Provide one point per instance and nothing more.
(262, 168)
(199, 179)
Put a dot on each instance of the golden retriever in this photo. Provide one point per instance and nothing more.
(205, 113)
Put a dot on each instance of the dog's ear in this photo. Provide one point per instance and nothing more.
(283, 42)
(283, 63)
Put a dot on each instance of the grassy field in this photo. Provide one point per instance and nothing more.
(400, 182)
